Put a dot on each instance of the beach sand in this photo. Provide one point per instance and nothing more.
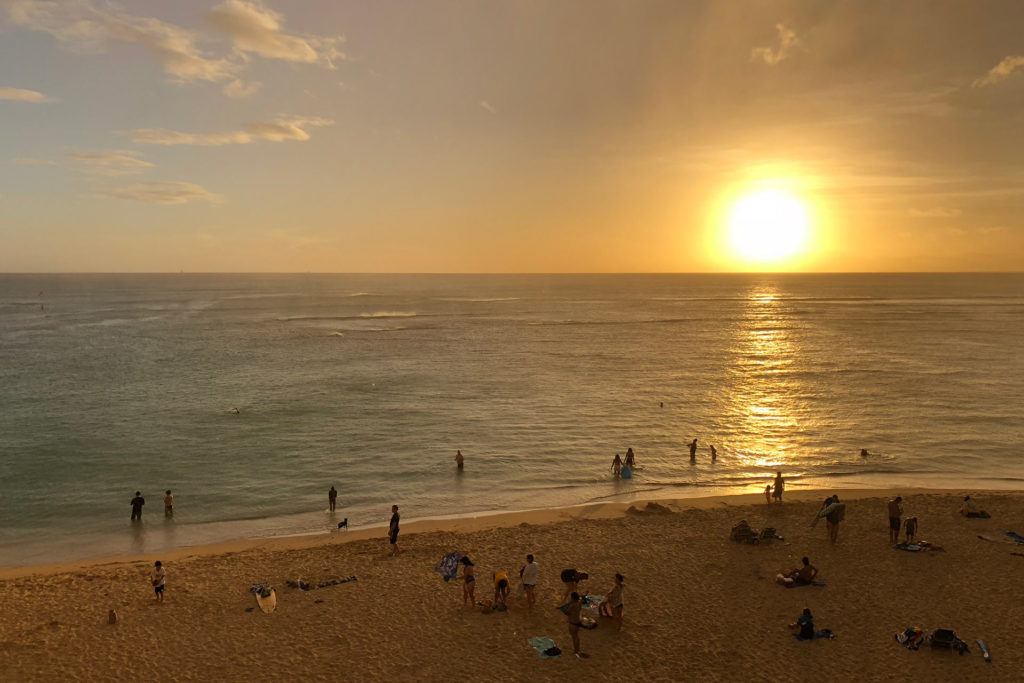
(697, 606)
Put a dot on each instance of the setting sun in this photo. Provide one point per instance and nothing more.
(768, 225)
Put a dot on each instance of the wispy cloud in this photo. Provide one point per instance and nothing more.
(488, 107)
(33, 162)
(81, 25)
(280, 130)
(20, 95)
(936, 212)
(771, 56)
(114, 163)
(1000, 72)
(257, 29)
(167, 193)
(238, 89)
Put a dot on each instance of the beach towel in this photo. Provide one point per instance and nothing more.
(917, 547)
(448, 567)
(911, 638)
(1015, 536)
(824, 633)
(545, 647)
(592, 602)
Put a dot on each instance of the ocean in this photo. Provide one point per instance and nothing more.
(115, 383)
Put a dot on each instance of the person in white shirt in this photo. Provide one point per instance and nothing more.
(157, 577)
(529, 575)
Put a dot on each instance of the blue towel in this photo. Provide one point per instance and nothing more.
(1015, 536)
(542, 644)
(448, 567)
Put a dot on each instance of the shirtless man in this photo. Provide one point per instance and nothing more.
(895, 513)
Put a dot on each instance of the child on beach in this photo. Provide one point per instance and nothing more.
(910, 528)
(768, 493)
(158, 577)
(611, 606)
(468, 581)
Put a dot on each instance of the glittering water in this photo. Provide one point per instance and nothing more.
(110, 384)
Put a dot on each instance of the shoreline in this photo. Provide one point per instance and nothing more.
(469, 523)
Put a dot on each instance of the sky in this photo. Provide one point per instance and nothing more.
(514, 136)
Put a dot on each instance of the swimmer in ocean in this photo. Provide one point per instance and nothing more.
(617, 465)
(864, 453)
(459, 460)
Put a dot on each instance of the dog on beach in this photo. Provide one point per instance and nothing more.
(343, 524)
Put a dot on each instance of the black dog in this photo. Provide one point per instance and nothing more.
(343, 524)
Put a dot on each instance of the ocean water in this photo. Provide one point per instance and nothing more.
(115, 383)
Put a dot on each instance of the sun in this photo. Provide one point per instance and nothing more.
(768, 225)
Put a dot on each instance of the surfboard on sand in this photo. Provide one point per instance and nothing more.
(266, 598)
(984, 650)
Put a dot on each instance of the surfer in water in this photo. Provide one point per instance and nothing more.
(459, 459)
(617, 465)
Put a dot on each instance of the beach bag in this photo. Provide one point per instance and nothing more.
(553, 651)
(946, 638)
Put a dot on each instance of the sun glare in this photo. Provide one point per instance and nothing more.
(768, 225)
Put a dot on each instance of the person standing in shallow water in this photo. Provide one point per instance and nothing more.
(780, 486)
(459, 460)
(332, 498)
(714, 452)
(137, 502)
(168, 504)
(616, 465)
(693, 451)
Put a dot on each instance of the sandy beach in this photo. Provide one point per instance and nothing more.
(696, 604)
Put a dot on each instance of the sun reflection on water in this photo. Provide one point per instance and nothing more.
(761, 397)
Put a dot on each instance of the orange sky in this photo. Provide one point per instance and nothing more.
(576, 136)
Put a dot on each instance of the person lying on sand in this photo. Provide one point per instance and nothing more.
(968, 509)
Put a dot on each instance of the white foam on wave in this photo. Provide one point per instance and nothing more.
(388, 314)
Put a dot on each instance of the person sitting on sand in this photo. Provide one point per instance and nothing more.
(468, 581)
(616, 465)
(805, 574)
(630, 459)
(805, 624)
(501, 587)
(611, 606)
(968, 509)
(910, 528)
(780, 485)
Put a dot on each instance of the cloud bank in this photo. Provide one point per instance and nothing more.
(19, 95)
(167, 193)
(280, 130)
(113, 163)
(257, 29)
(1000, 72)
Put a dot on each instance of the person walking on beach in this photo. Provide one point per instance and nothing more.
(693, 451)
(529, 575)
(137, 502)
(168, 503)
(616, 465)
(468, 582)
(393, 530)
(158, 577)
(895, 513)
(575, 621)
(332, 498)
(834, 512)
(768, 493)
(780, 486)
(714, 452)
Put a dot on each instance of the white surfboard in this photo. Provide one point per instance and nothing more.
(267, 600)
